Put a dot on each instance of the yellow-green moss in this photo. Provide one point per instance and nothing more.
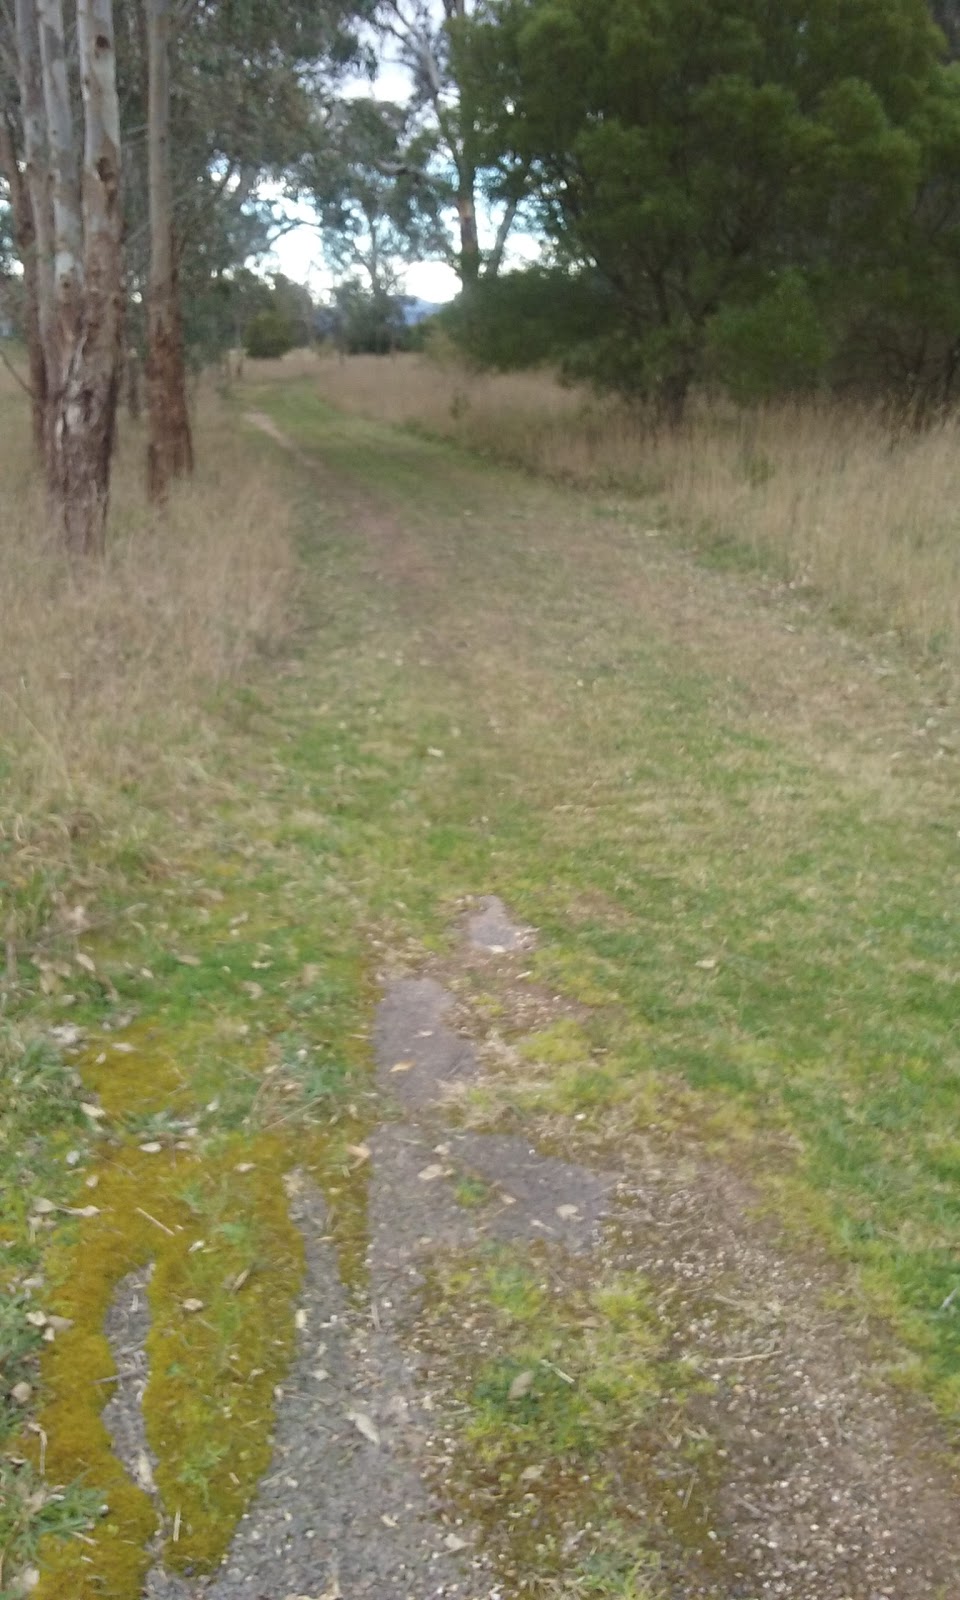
(212, 1369)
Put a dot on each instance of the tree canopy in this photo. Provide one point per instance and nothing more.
(765, 193)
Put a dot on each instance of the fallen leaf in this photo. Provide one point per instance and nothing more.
(192, 1305)
(453, 1541)
(531, 1475)
(361, 1153)
(708, 964)
(92, 1111)
(83, 1211)
(403, 1066)
(243, 1166)
(152, 1147)
(321, 1375)
(437, 754)
(185, 960)
(389, 1522)
(37, 1319)
(20, 1393)
(521, 1386)
(365, 1425)
(66, 1034)
(429, 1174)
(568, 1211)
(42, 1208)
(86, 962)
(254, 990)
(123, 1047)
(75, 918)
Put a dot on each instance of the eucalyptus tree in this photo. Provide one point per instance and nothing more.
(364, 174)
(466, 173)
(64, 177)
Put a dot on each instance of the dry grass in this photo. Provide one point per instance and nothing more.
(103, 673)
(820, 494)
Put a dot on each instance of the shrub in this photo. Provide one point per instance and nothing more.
(268, 336)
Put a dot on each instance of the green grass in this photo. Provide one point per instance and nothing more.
(765, 922)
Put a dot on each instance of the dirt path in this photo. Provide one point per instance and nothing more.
(821, 1482)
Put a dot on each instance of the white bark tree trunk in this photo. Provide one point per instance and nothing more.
(85, 327)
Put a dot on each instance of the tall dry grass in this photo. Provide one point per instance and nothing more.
(823, 495)
(106, 672)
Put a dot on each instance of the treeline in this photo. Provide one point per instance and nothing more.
(762, 197)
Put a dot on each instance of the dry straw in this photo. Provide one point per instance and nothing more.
(825, 495)
(104, 671)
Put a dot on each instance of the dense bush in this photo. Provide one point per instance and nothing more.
(765, 196)
(268, 335)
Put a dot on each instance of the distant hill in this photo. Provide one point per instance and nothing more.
(416, 311)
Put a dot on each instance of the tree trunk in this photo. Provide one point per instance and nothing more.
(25, 238)
(87, 413)
(170, 448)
(88, 276)
(469, 238)
(36, 229)
(131, 373)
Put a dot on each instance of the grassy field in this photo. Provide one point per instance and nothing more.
(821, 495)
(402, 676)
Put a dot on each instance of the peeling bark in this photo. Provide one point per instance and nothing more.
(170, 447)
(85, 326)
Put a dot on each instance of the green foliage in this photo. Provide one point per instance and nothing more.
(366, 173)
(527, 318)
(268, 335)
(369, 322)
(751, 184)
(219, 316)
(777, 344)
